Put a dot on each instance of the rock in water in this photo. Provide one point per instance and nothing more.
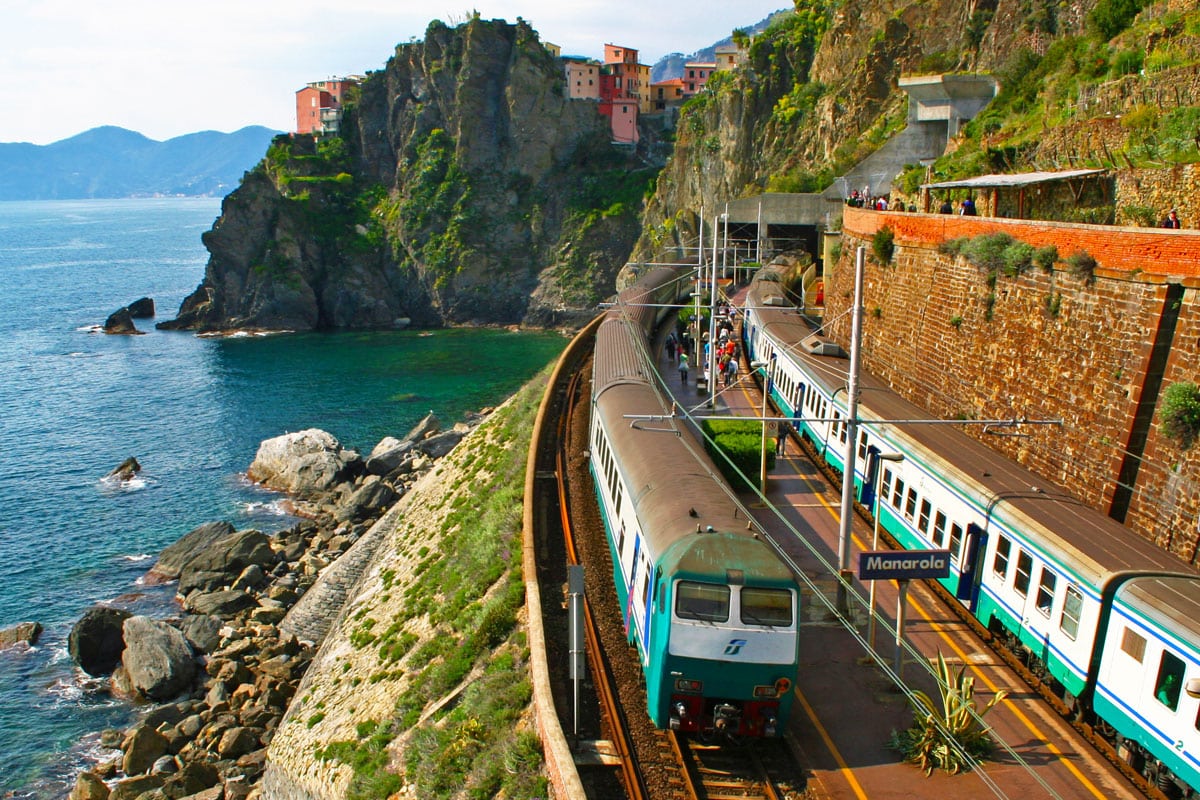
(174, 556)
(141, 309)
(97, 639)
(23, 633)
(157, 658)
(305, 463)
(125, 470)
(120, 321)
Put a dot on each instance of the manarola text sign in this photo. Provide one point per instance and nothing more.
(903, 565)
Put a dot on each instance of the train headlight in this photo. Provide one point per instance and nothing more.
(689, 686)
(761, 692)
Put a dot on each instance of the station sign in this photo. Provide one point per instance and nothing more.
(903, 565)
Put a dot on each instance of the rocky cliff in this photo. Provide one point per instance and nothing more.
(465, 188)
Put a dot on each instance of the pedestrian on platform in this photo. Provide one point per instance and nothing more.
(670, 346)
(780, 439)
(1171, 220)
(683, 368)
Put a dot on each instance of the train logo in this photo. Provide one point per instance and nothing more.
(734, 647)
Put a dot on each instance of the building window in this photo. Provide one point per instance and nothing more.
(1024, 568)
(1072, 611)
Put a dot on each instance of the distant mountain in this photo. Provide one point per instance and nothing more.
(110, 162)
(671, 65)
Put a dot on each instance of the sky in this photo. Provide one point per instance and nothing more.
(170, 67)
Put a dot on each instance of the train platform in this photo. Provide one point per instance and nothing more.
(848, 703)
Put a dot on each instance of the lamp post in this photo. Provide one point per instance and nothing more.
(895, 458)
(766, 390)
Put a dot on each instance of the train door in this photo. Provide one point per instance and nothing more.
(971, 566)
(870, 478)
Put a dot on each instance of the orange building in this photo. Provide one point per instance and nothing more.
(319, 105)
(583, 78)
(666, 94)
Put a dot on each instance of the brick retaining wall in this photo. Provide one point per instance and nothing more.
(1052, 346)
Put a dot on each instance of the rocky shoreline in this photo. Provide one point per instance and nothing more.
(218, 677)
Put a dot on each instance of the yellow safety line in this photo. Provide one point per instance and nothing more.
(843, 767)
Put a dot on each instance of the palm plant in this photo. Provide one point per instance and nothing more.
(954, 736)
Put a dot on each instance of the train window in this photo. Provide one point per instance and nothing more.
(766, 606)
(1024, 568)
(862, 445)
(1170, 679)
(923, 520)
(1000, 562)
(1134, 644)
(939, 529)
(1068, 622)
(898, 494)
(1045, 592)
(955, 540)
(703, 601)
(910, 504)
(885, 485)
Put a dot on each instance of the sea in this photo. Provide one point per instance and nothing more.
(74, 403)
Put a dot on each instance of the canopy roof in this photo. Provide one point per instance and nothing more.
(1013, 180)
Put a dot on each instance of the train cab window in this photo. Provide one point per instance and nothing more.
(708, 602)
(1068, 622)
(766, 606)
(1024, 569)
(1170, 679)
(1000, 562)
(1045, 592)
(1133, 644)
(910, 504)
(923, 520)
(939, 530)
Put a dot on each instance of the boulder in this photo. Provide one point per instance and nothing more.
(125, 471)
(157, 658)
(174, 556)
(26, 633)
(120, 322)
(202, 631)
(97, 639)
(388, 455)
(219, 564)
(440, 444)
(142, 748)
(130, 788)
(368, 500)
(142, 308)
(223, 603)
(237, 742)
(89, 787)
(195, 777)
(428, 426)
(305, 463)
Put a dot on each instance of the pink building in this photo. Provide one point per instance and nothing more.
(319, 105)
(583, 78)
(621, 91)
(695, 75)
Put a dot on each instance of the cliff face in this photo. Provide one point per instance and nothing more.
(465, 188)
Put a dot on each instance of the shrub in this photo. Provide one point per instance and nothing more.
(1179, 413)
(987, 251)
(1045, 257)
(883, 245)
(953, 247)
(737, 447)
(1082, 265)
(1018, 257)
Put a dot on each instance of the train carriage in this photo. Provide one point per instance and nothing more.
(711, 608)
(1029, 561)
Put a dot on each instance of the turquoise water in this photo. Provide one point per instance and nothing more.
(74, 403)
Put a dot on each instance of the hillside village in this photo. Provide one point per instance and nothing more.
(620, 86)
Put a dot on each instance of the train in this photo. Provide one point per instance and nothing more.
(709, 604)
(1109, 621)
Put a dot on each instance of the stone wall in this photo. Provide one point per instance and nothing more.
(1043, 345)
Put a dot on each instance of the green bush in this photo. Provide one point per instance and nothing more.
(883, 245)
(737, 447)
(1045, 257)
(1018, 257)
(987, 251)
(1179, 413)
(1082, 265)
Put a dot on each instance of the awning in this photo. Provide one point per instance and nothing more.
(1013, 180)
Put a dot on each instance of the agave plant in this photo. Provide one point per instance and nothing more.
(952, 737)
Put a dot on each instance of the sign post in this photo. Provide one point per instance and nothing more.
(577, 645)
(902, 566)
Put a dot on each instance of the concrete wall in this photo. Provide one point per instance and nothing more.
(1041, 345)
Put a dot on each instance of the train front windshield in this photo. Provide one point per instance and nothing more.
(766, 607)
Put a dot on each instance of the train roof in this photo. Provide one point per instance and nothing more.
(1082, 535)
(674, 485)
(1173, 602)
